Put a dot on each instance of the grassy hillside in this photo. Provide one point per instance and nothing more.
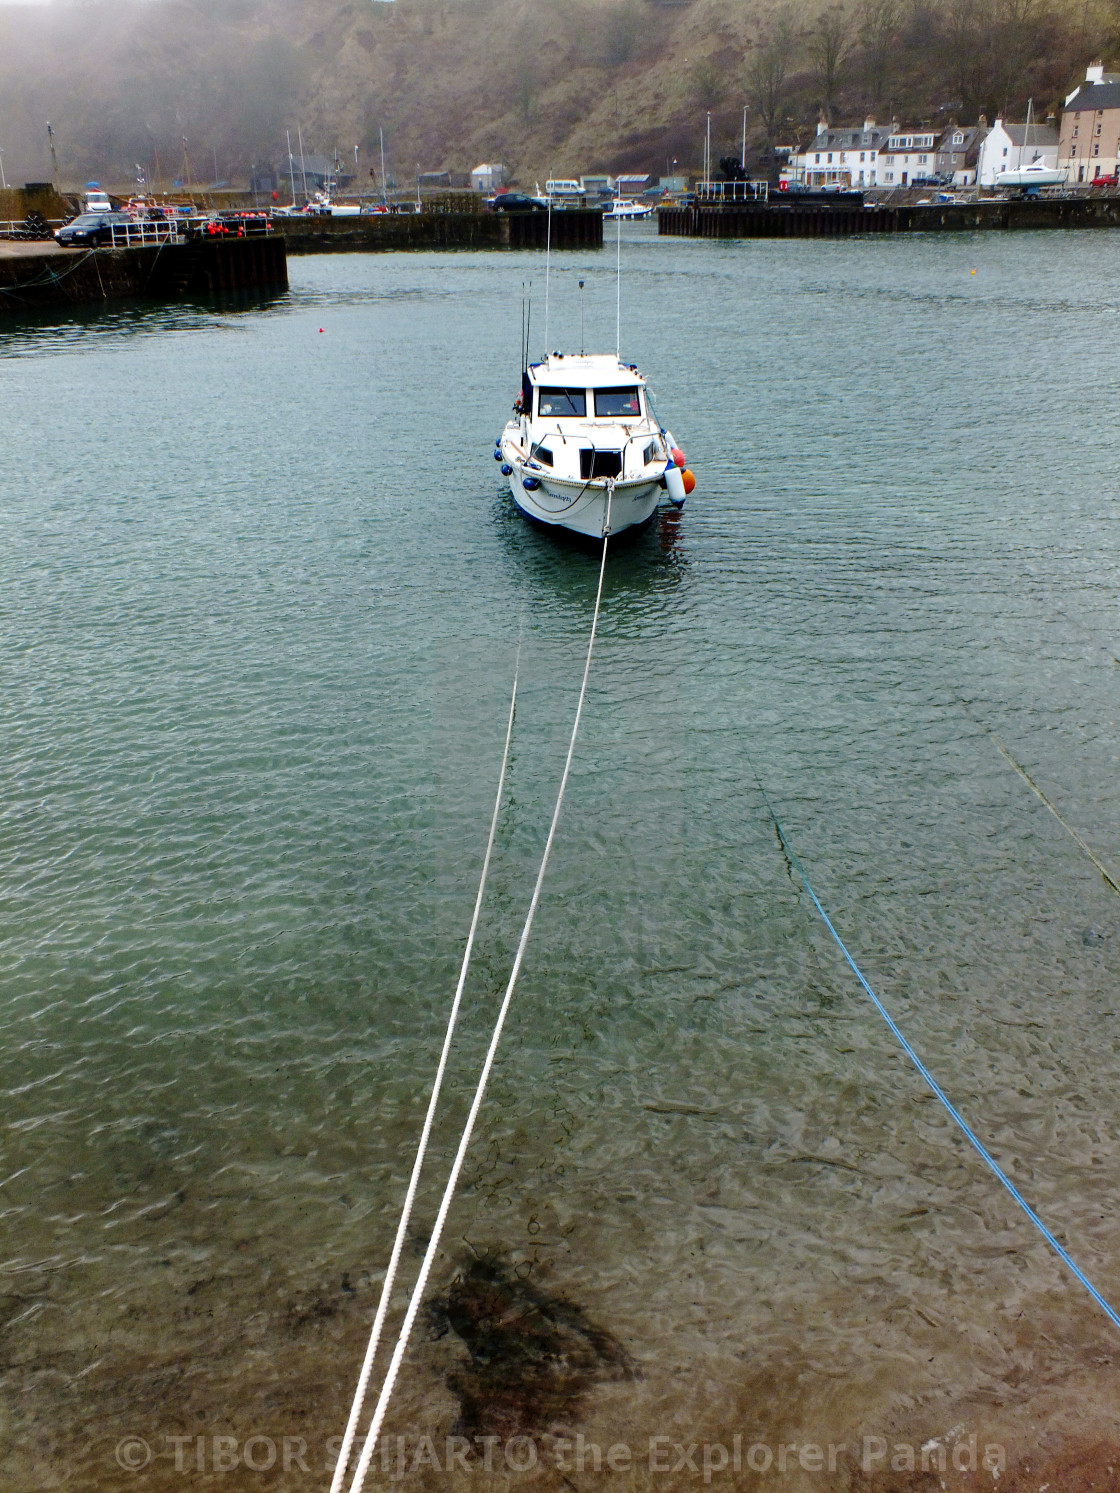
(562, 87)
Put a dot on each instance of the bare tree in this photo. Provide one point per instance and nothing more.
(768, 70)
(707, 84)
(830, 41)
(878, 25)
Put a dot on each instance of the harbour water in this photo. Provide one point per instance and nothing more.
(261, 592)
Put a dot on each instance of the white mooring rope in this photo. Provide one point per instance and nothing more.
(476, 1104)
(406, 1212)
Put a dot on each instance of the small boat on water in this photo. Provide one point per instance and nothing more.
(626, 207)
(585, 440)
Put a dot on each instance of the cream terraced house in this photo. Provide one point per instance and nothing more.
(841, 158)
(1089, 139)
(907, 158)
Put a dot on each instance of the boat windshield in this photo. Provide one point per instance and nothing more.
(562, 402)
(617, 402)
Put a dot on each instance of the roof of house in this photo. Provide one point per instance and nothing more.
(1096, 96)
(849, 139)
(1035, 134)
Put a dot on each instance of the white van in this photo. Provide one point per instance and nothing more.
(564, 191)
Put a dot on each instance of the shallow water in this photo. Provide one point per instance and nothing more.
(260, 599)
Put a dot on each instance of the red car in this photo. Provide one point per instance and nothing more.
(1105, 181)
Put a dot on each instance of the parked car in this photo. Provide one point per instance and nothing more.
(1106, 181)
(515, 202)
(91, 228)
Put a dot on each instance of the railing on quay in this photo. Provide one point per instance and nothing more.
(143, 231)
(717, 192)
(185, 230)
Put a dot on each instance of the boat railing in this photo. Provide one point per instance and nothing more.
(645, 436)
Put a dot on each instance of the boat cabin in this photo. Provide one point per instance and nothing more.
(582, 403)
(584, 388)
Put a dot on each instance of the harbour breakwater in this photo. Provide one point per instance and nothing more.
(791, 219)
(37, 275)
(40, 275)
(574, 228)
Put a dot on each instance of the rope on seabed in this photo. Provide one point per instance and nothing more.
(1033, 786)
(476, 1104)
(939, 1093)
(421, 1149)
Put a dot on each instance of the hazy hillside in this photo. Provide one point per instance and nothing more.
(565, 86)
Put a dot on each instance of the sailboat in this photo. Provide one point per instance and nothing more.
(1034, 175)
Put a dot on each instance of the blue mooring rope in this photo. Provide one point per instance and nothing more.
(953, 1113)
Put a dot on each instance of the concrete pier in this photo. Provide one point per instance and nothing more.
(35, 275)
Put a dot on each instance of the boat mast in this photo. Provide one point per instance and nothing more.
(547, 266)
(618, 289)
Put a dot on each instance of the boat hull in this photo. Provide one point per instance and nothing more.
(581, 508)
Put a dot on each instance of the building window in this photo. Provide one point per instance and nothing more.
(830, 158)
(1073, 150)
(1096, 150)
(818, 160)
(863, 155)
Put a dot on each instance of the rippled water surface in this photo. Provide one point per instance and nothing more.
(260, 599)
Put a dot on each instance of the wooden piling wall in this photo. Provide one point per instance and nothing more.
(787, 219)
(386, 232)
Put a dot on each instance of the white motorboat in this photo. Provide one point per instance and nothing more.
(626, 207)
(585, 442)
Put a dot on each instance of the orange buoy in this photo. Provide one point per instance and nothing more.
(678, 456)
(689, 481)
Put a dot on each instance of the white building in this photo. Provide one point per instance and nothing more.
(489, 177)
(1010, 147)
(908, 158)
(840, 158)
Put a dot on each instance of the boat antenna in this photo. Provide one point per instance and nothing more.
(581, 318)
(547, 265)
(302, 162)
(291, 167)
(528, 322)
(618, 290)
